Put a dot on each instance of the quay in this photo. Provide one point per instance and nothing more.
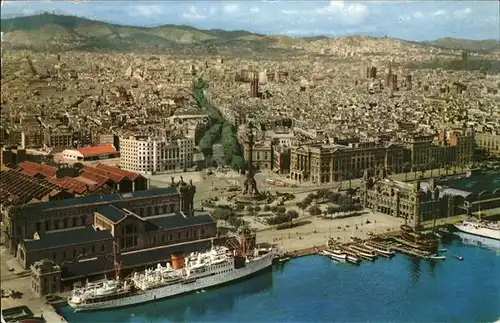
(303, 252)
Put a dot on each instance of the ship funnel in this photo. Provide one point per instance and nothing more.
(177, 261)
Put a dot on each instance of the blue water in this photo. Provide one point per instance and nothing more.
(315, 289)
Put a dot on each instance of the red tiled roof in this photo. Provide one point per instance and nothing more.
(17, 187)
(29, 172)
(96, 150)
(99, 179)
(71, 184)
(130, 175)
(31, 167)
(114, 177)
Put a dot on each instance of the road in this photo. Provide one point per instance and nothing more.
(208, 186)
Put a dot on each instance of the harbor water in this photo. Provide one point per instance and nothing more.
(315, 289)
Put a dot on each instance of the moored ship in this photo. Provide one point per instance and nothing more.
(480, 233)
(419, 239)
(186, 274)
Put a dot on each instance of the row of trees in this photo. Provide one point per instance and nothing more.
(210, 137)
(202, 101)
(228, 216)
(280, 218)
(221, 131)
(232, 151)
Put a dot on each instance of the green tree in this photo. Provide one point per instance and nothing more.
(314, 210)
(331, 209)
(237, 162)
(302, 206)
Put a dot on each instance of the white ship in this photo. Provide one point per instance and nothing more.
(480, 233)
(197, 271)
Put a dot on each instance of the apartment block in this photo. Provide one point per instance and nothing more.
(144, 154)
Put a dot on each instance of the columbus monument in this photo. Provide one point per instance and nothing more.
(250, 192)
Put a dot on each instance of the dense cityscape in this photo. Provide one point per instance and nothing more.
(117, 161)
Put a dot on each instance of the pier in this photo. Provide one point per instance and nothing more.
(303, 252)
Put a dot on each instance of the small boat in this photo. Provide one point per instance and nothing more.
(338, 255)
(437, 257)
(443, 250)
(352, 257)
(459, 258)
(282, 260)
(380, 249)
(364, 253)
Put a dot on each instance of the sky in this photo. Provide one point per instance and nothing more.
(411, 20)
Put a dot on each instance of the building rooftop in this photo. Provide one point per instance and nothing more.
(177, 220)
(143, 257)
(130, 175)
(67, 237)
(96, 150)
(476, 183)
(36, 168)
(112, 213)
(26, 210)
(18, 187)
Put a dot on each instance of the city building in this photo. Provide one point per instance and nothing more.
(13, 155)
(419, 152)
(281, 159)
(58, 138)
(476, 193)
(489, 141)
(22, 222)
(88, 154)
(423, 201)
(458, 145)
(45, 278)
(147, 155)
(37, 170)
(254, 85)
(326, 163)
(400, 199)
(18, 188)
(115, 178)
(262, 154)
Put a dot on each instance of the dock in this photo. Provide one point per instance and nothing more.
(303, 252)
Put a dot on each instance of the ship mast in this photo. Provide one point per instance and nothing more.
(243, 243)
(115, 261)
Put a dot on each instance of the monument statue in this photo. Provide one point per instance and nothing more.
(250, 185)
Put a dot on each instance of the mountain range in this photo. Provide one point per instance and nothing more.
(52, 32)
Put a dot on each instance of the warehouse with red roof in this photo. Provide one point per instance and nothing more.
(91, 153)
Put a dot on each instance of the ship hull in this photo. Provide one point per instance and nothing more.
(249, 270)
(423, 244)
(479, 240)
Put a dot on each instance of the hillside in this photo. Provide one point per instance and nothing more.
(487, 45)
(52, 32)
(49, 32)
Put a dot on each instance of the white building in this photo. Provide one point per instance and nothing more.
(92, 153)
(144, 154)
